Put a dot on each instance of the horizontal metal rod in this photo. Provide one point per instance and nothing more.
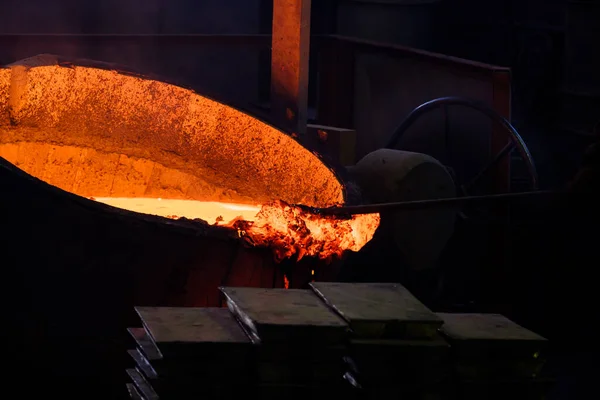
(435, 203)
(132, 35)
(254, 40)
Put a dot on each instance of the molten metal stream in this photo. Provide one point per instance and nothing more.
(288, 230)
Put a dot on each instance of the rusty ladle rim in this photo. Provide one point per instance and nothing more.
(338, 171)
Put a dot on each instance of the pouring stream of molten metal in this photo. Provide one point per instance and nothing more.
(288, 230)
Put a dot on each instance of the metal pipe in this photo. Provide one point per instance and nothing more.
(434, 203)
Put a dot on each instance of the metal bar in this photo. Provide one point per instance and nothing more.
(289, 64)
(506, 150)
(257, 40)
(435, 203)
(455, 64)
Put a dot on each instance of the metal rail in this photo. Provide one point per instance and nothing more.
(200, 38)
(435, 203)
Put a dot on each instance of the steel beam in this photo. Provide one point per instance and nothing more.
(289, 64)
(217, 40)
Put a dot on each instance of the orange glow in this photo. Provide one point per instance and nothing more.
(99, 132)
(213, 212)
(288, 230)
(286, 282)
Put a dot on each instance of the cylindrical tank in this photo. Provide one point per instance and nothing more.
(404, 22)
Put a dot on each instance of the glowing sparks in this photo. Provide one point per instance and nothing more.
(286, 282)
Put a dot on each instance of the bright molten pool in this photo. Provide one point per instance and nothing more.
(210, 211)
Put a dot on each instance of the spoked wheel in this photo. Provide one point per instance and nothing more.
(515, 142)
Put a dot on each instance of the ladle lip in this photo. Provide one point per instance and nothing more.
(335, 167)
(180, 135)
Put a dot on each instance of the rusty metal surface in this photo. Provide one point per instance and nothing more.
(289, 63)
(5, 77)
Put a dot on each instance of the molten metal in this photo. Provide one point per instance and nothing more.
(291, 231)
(288, 230)
(213, 212)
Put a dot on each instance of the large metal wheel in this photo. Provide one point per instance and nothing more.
(515, 140)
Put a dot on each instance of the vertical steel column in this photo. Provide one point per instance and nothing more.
(289, 64)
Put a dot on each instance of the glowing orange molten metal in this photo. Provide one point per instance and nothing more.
(213, 212)
(291, 231)
(288, 230)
